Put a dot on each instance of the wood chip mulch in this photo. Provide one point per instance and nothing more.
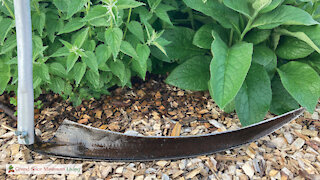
(153, 108)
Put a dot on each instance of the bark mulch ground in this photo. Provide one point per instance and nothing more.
(153, 108)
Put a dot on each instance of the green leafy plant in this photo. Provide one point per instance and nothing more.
(252, 56)
(265, 56)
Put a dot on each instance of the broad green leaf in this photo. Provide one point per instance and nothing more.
(93, 77)
(6, 25)
(9, 44)
(257, 36)
(302, 82)
(228, 70)
(193, 74)
(126, 4)
(81, 37)
(38, 21)
(61, 52)
(257, 5)
(282, 101)
(113, 38)
(162, 12)
(5, 74)
(203, 38)
(118, 69)
(41, 70)
(219, 12)
(74, 7)
(144, 14)
(263, 55)
(73, 25)
(78, 72)
(89, 45)
(314, 61)
(181, 46)
(71, 60)
(100, 22)
(91, 61)
(254, 98)
(57, 85)
(62, 5)
(103, 53)
(274, 4)
(284, 15)
(136, 29)
(127, 49)
(153, 4)
(37, 47)
(57, 69)
(242, 6)
(95, 12)
(52, 26)
(36, 81)
(292, 48)
(140, 64)
(230, 107)
(66, 44)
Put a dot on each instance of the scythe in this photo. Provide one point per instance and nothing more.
(73, 140)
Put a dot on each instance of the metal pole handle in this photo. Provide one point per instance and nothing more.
(25, 130)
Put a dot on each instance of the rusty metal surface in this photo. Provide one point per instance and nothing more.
(73, 140)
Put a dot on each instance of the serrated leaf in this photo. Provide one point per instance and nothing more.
(126, 4)
(113, 38)
(228, 69)
(284, 15)
(257, 36)
(68, 45)
(103, 53)
(136, 29)
(95, 12)
(42, 71)
(71, 60)
(91, 61)
(5, 75)
(38, 21)
(78, 72)
(254, 98)
(73, 25)
(61, 52)
(93, 77)
(57, 85)
(9, 44)
(282, 101)
(51, 26)
(57, 69)
(74, 7)
(6, 25)
(81, 37)
(302, 82)
(140, 64)
(180, 47)
(127, 49)
(192, 75)
(118, 69)
(162, 12)
(62, 5)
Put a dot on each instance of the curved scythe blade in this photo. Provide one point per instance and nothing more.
(73, 140)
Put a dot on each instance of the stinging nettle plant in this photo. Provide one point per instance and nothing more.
(252, 56)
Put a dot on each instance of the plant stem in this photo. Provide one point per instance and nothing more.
(6, 5)
(191, 18)
(230, 37)
(248, 26)
(128, 20)
(36, 7)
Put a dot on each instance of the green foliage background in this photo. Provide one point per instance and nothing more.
(252, 56)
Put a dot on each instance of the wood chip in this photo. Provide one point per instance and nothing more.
(98, 114)
(83, 121)
(162, 163)
(176, 129)
(193, 173)
(248, 170)
(298, 143)
(273, 172)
